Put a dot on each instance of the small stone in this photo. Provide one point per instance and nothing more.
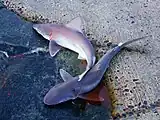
(126, 90)
(134, 80)
(130, 106)
(145, 102)
(130, 113)
(88, 34)
(123, 115)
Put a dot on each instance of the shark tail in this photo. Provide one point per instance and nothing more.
(121, 45)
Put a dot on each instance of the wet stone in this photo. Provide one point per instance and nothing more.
(134, 80)
(1, 5)
(25, 79)
(17, 32)
(145, 102)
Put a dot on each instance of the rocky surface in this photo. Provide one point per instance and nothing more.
(133, 78)
(26, 78)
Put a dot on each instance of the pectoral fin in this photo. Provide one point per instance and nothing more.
(53, 48)
(94, 95)
(75, 24)
(65, 75)
(99, 94)
(91, 97)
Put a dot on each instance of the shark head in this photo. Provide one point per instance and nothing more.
(72, 88)
(47, 30)
(44, 30)
(62, 92)
(58, 94)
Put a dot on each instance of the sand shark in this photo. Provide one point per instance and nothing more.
(68, 36)
(71, 88)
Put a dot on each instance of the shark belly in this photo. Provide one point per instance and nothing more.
(70, 44)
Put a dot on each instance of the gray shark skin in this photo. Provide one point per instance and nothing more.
(71, 88)
(68, 36)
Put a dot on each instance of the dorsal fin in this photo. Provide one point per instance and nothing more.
(75, 24)
(65, 75)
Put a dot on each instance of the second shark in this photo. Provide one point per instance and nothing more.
(71, 88)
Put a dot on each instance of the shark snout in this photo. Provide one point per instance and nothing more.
(47, 101)
(36, 26)
(42, 30)
(54, 100)
(58, 94)
(51, 98)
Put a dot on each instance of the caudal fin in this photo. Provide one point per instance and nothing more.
(121, 45)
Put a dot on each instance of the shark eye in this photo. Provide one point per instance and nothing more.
(74, 91)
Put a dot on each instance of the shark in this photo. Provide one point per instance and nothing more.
(71, 88)
(69, 36)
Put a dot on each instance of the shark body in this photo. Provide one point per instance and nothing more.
(71, 88)
(68, 36)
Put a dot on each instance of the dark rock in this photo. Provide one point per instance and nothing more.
(17, 32)
(1, 5)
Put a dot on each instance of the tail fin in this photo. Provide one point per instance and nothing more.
(121, 45)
